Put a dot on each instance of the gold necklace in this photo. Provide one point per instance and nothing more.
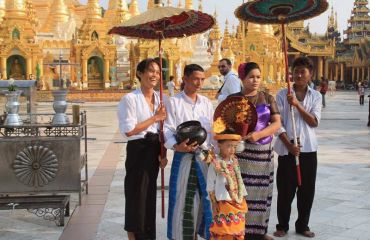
(255, 100)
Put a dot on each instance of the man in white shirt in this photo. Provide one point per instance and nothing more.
(306, 104)
(232, 83)
(171, 86)
(189, 208)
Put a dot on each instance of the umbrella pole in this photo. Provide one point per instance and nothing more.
(161, 135)
(285, 50)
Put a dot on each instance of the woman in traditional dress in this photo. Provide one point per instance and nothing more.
(139, 113)
(256, 160)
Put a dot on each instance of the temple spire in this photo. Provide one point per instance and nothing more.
(59, 11)
(189, 4)
(150, 4)
(134, 8)
(117, 12)
(118, 5)
(93, 9)
(15, 8)
(200, 6)
(2, 9)
(58, 16)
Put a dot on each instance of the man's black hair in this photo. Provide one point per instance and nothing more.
(190, 68)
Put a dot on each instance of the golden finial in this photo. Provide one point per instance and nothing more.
(150, 4)
(189, 4)
(15, 8)
(179, 4)
(93, 9)
(2, 9)
(117, 5)
(200, 6)
(134, 8)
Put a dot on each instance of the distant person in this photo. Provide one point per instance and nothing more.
(358, 85)
(232, 83)
(323, 90)
(307, 106)
(332, 87)
(171, 86)
(361, 93)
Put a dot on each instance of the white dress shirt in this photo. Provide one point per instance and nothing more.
(216, 182)
(306, 133)
(133, 109)
(232, 84)
(180, 108)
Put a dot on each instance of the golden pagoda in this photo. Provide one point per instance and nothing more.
(94, 49)
(19, 54)
(134, 8)
(215, 37)
(226, 44)
(352, 64)
(176, 52)
(2, 10)
(35, 33)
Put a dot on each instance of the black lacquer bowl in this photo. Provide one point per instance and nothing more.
(191, 130)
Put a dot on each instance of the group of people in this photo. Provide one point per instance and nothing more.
(230, 197)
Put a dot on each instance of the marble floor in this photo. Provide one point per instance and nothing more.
(341, 208)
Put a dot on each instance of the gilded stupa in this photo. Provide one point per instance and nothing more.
(34, 34)
(352, 62)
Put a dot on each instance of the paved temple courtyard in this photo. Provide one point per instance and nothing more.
(341, 208)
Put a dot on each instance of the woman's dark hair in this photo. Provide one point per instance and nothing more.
(189, 69)
(144, 65)
(245, 68)
(303, 62)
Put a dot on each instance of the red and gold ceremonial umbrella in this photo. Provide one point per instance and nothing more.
(282, 12)
(161, 23)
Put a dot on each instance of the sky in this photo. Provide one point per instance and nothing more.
(226, 11)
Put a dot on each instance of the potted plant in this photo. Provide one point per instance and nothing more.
(12, 104)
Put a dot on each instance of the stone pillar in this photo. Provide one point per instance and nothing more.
(132, 72)
(3, 67)
(29, 67)
(84, 74)
(342, 71)
(319, 67)
(326, 70)
(363, 74)
(336, 72)
(106, 74)
(41, 65)
(358, 74)
(353, 74)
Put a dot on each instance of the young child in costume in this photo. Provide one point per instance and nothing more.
(226, 190)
